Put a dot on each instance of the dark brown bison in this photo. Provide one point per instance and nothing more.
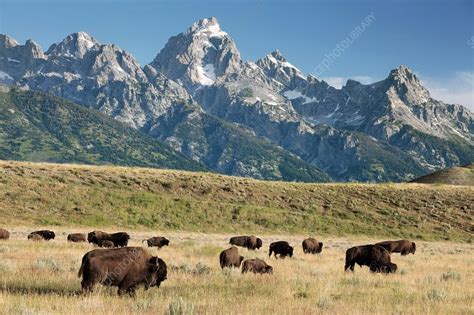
(230, 258)
(282, 248)
(76, 237)
(374, 256)
(158, 241)
(256, 266)
(404, 247)
(106, 244)
(125, 268)
(35, 237)
(250, 242)
(45, 234)
(119, 239)
(4, 234)
(312, 246)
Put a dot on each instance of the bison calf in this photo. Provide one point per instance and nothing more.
(125, 268)
(256, 266)
(312, 246)
(106, 244)
(374, 256)
(282, 248)
(76, 237)
(4, 234)
(157, 241)
(404, 247)
(230, 258)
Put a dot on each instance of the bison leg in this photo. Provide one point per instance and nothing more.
(350, 266)
(87, 286)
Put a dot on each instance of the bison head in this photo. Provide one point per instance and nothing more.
(389, 268)
(290, 251)
(413, 248)
(166, 242)
(157, 272)
(259, 243)
(268, 269)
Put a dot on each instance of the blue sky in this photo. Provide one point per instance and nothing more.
(434, 38)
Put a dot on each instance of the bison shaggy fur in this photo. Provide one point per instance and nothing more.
(125, 268)
(76, 237)
(282, 248)
(250, 242)
(312, 246)
(404, 247)
(256, 266)
(230, 258)
(374, 256)
(119, 239)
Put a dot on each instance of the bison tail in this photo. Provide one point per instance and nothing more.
(79, 274)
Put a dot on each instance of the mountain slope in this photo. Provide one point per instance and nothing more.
(461, 175)
(37, 127)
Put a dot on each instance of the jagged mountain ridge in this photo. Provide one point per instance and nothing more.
(359, 132)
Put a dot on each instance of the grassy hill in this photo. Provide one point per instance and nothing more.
(35, 126)
(462, 175)
(140, 198)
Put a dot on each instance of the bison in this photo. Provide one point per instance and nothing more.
(44, 234)
(256, 266)
(282, 248)
(106, 244)
(125, 268)
(374, 256)
(4, 234)
(119, 239)
(230, 258)
(250, 242)
(312, 246)
(404, 247)
(76, 237)
(157, 241)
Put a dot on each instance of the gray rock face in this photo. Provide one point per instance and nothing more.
(200, 97)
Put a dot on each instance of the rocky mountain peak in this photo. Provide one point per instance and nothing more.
(75, 45)
(403, 83)
(207, 27)
(275, 66)
(7, 42)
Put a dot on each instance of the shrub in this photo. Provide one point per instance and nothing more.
(451, 275)
(180, 307)
(437, 295)
(47, 264)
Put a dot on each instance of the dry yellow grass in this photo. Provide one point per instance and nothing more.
(41, 278)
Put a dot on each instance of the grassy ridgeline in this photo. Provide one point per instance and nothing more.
(137, 198)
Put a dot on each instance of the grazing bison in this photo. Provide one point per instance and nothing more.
(119, 239)
(45, 234)
(374, 256)
(250, 242)
(97, 236)
(35, 237)
(404, 247)
(76, 237)
(158, 241)
(106, 244)
(256, 266)
(312, 246)
(282, 248)
(230, 258)
(4, 234)
(125, 268)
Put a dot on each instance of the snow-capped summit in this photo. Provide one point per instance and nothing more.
(208, 27)
(75, 45)
(199, 56)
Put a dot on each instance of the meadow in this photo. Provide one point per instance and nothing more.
(198, 212)
(41, 278)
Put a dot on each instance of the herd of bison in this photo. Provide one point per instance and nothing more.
(127, 267)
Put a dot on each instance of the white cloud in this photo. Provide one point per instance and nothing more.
(338, 82)
(455, 89)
